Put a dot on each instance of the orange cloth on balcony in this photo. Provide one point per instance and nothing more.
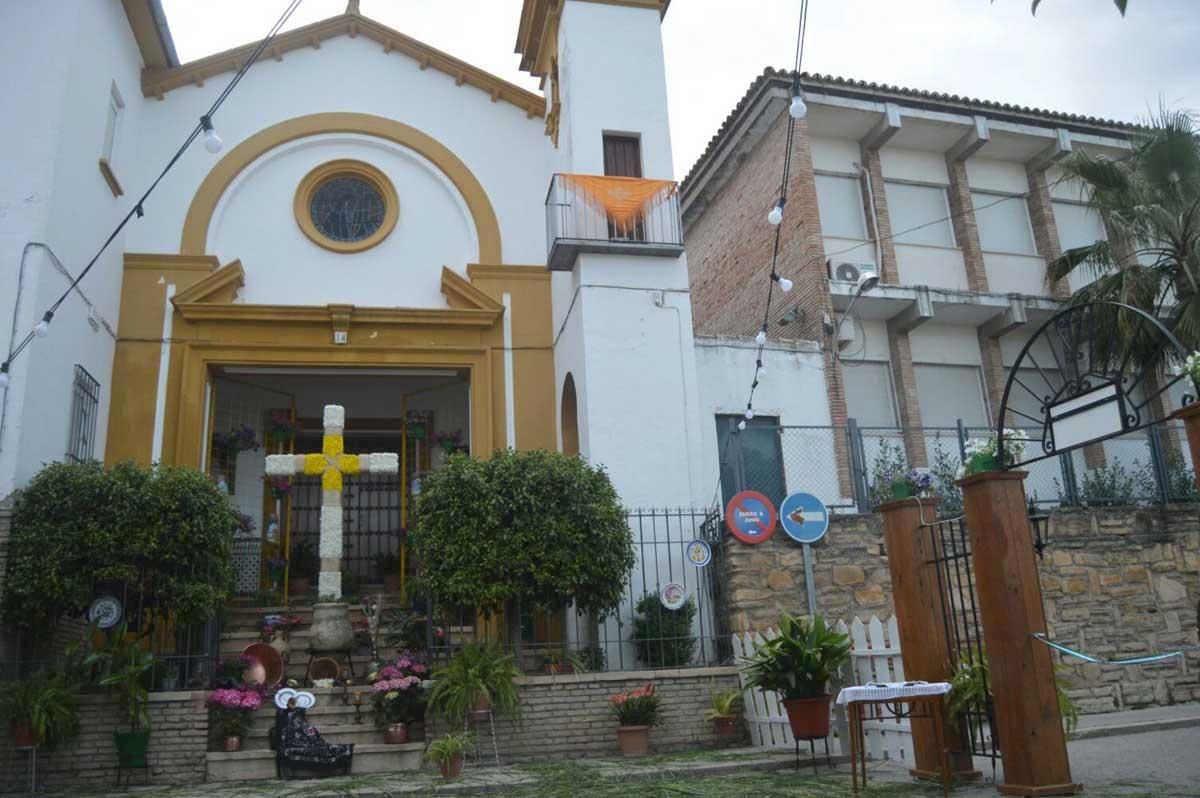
(622, 199)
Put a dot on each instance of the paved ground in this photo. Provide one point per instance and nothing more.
(1158, 756)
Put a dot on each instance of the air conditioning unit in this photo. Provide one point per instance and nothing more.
(849, 272)
(847, 332)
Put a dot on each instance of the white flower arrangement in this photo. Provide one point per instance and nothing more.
(1014, 448)
(1191, 367)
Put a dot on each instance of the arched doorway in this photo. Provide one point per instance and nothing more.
(569, 418)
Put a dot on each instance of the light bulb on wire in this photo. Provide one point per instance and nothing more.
(42, 328)
(776, 215)
(4, 376)
(749, 413)
(798, 109)
(212, 142)
(762, 370)
(742, 424)
(785, 284)
(761, 338)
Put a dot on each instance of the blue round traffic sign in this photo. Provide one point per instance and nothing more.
(750, 517)
(804, 517)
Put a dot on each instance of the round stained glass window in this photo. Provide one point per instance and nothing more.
(346, 206)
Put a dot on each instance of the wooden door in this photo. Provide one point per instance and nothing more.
(623, 158)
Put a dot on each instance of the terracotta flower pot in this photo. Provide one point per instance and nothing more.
(725, 725)
(634, 740)
(396, 734)
(559, 667)
(233, 743)
(451, 768)
(808, 717)
(23, 735)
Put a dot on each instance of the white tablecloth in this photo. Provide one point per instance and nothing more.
(885, 691)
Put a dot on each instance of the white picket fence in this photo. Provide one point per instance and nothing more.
(875, 657)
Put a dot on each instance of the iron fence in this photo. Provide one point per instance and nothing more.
(641, 633)
(848, 467)
(370, 524)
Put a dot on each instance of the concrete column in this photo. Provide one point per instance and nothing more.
(1190, 416)
(1033, 745)
(965, 231)
(1045, 230)
(920, 608)
(993, 375)
(905, 380)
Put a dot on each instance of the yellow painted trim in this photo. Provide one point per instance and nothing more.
(454, 285)
(153, 261)
(461, 317)
(145, 33)
(225, 281)
(345, 167)
(157, 82)
(110, 177)
(537, 273)
(204, 203)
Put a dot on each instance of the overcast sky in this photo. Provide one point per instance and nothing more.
(1076, 56)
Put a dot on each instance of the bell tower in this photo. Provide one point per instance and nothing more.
(622, 312)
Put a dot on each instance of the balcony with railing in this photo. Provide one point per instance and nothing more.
(611, 216)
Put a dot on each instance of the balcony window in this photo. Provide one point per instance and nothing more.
(611, 215)
(839, 200)
(870, 399)
(1003, 223)
(948, 393)
(919, 214)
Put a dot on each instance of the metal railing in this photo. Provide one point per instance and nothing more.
(642, 633)
(581, 218)
(847, 466)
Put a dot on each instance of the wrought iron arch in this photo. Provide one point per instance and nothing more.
(1090, 372)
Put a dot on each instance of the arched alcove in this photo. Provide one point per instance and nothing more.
(570, 418)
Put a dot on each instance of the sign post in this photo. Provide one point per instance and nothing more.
(805, 519)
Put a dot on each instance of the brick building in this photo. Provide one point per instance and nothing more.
(957, 203)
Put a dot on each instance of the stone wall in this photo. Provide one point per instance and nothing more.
(568, 716)
(1117, 582)
(178, 741)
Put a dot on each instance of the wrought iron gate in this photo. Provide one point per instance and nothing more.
(370, 522)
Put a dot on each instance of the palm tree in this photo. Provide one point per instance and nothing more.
(1150, 203)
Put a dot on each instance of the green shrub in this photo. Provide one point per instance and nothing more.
(1109, 485)
(477, 672)
(801, 660)
(163, 532)
(663, 638)
(890, 463)
(538, 529)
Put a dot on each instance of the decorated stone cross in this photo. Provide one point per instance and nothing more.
(331, 464)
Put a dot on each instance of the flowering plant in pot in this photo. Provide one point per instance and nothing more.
(723, 711)
(636, 711)
(983, 453)
(233, 711)
(447, 753)
(396, 693)
(798, 663)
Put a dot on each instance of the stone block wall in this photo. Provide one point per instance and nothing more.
(568, 716)
(850, 575)
(1116, 582)
(178, 742)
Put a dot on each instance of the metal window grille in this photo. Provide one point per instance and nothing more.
(85, 407)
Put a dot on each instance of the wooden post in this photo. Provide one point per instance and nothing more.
(1033, 746)
(919, 615)
(1190, 416)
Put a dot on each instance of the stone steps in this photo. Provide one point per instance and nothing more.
(360, 734)
(260, 764)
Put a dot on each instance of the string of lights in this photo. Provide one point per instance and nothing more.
(212, 142)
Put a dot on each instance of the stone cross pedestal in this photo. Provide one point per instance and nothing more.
(331, 464)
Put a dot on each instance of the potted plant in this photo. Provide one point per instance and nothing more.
(970, 689)
(128, 670)
(447, 753)
(798, 663)
(388, 566)
(396, 692)
(636, 711)
(304, 567)
(562, 660)
(723, 711)
(40, 710)
(983, 454)
(478, 679)
(233, 710)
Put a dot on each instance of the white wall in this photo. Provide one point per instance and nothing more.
(256, 223)
(62, 59)
(507, 152)
(613, 80)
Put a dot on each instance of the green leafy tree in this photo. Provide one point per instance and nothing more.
(537, 528)
(662, 637)
(1150, 203)
(164, 533)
